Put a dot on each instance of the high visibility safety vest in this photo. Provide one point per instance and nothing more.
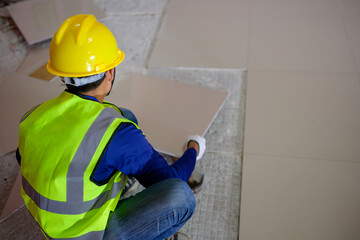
(60, 143)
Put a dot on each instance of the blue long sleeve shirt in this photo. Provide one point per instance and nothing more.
(130, 153)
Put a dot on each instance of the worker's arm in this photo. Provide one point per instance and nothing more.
(130, 153)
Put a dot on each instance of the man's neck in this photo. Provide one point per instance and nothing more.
(98, 97)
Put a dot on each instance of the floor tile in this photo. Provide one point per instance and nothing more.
(231, 81)
(207, 6)
(352, 23)
(290, 198)
(303, 115)
(202, 40)
(349, 7)
(304, 7)
(131, 6)
(298, 41)
(134, 35)
(38, 20)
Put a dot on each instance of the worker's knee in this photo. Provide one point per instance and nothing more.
(180, 198)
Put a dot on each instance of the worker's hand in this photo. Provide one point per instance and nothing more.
(198, 143)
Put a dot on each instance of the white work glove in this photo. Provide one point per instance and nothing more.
(200, 141)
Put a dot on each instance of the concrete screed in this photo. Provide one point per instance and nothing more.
(135, 25)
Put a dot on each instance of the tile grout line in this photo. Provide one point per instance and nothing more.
(300, 71)
(156, 35)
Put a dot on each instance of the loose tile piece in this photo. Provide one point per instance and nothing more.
(226, 132)
(168, 112)
(229, 80)
(39, 19)
(292, 198)
(202, 40)
(42, 74)
(309, 115)
(34, 65)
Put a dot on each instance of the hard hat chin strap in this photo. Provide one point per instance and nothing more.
(81, 81)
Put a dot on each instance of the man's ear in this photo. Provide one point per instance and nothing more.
(110, 74)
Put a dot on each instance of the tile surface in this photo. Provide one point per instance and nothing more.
(299, 38)
(291, 198)
(132, 6)
(349, 7)
(134, 35)
(303, 115)
(166, 111)
(231, 81)
(304, 7)
(209, 40)
(39, 20)
(352, 23)
(226, 132)
(207, 6)
(18, 95)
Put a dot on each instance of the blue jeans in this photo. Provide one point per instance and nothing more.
(157, 212)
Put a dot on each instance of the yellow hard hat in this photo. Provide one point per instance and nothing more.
(82, 46)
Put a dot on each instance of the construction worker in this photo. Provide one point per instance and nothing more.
(76, 151)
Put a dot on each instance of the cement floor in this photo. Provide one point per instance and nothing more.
(135, 24)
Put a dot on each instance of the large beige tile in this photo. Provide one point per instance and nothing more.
(301, 36)
(290, 198)
(352, 23)
(207, 6)
(202, 40)
(168, 112)
(303, 7)
(349, 7)
(18, 94)
(38, 20)
(310, 115)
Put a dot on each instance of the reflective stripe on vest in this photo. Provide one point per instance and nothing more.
(88, 236)
(82, 157)
(28, 113)
(69, 207)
